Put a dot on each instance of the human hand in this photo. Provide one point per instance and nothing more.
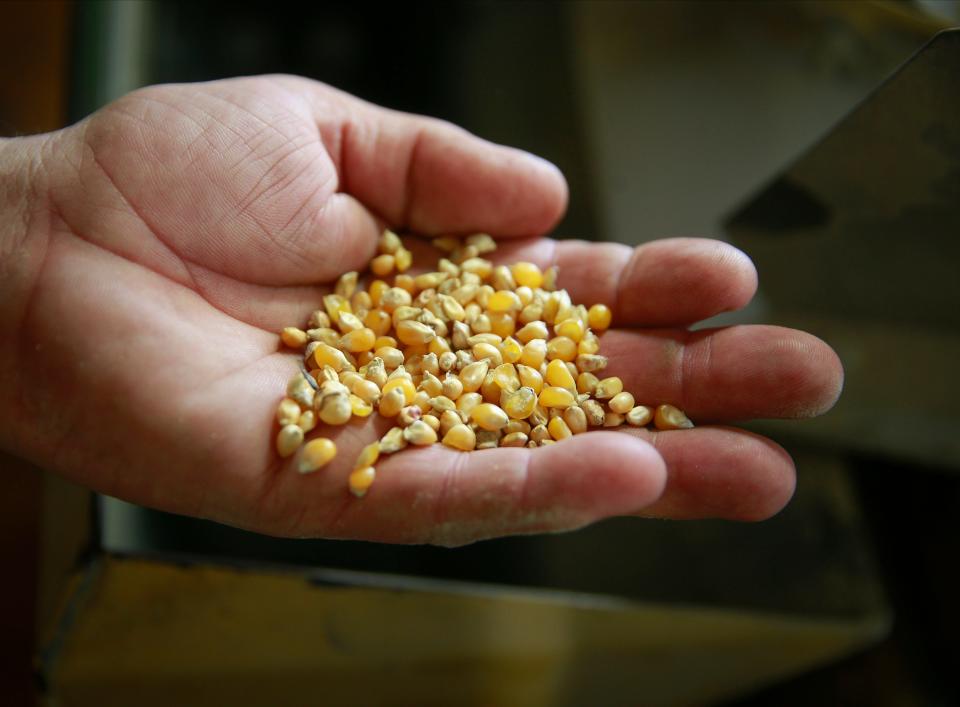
(175, 231)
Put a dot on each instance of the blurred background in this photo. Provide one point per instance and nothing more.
(735, 120)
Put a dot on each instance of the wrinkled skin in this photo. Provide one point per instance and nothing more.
(169, 236)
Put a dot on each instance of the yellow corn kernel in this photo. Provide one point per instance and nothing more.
(514, 439)
(595, 413)
(576, 419)
(483, 242)
(447, 360)
(501, 279)
(504, 301)
(502, 324)
(608, 387)
(473, 374)
(316, 453)
(430, 384)
(359, 406)
(487, 352)
(570, 328)
(288, 412)
(510, 350)
(391, 402)
(467, 402)
(376, 290)
(319, 319)
(527, 274)
(392, 357)
(414, 333)
(589, 344)
(452, 387)
(404, 259)
(539, 434)
(394, 297)
(289, 439)
(555, 397)
(438, 346)
(558, 429)
(433, 421)
(561, 347)
(534, 353)
(516, 426)
(639, 416)
(293, 337)
(533, 330)
(361, 480)
(366, 390)
(530, 377)
(406, 387)
(591, 362)
(478, 266)
(505, 376)
(392, 441)
(587, 383)
(599, 317)
(335, 409)
(520, 403)
(613, 419)
(415, 350)
(489, 416)
(460, 437)
(490, 391)
(334, 304)
(621, 403)
(668, 417)
(388, 242)
(406, 283)
(307, 421)
(559, 375)
(481, 338)
(326, 355)
(385, 341)
(419, 433)
(348, 321)
(383, 265)
(378, 321)
(359, 340)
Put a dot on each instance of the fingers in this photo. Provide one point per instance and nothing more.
(431, 177)
(734, 373)
(716, 472)
(444, 497)
(671, 282)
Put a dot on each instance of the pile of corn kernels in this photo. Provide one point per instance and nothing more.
(473, 355)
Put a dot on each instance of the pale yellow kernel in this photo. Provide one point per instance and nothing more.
(467, 402)
(527, 274)
(561, 347)
(502, 324)
(361, 480)
(389, 242)
(293, 337)
(517, 426)
(596, 415)
(335, 304)
(316, 453)
(558, 374)
(376, 289)
(489, 416)
(587, 383)
(359, 406)
(289, 439)
(591, 362)
(621, 403)
(530, 377)
(490, 391)
(433, 421)
(570, 328)
(487, 352)
(413, 333)
(511, 350)
(392, 357)
(504, 301)
(558, 429)
(599, 317)
(539, 433)
(505, 376)
(307, 421)
(520, 403)
(460, 437)
(391, 402)
(589, 344)
(608, 387)
(639, 416)
(392, 441)
(319, 319)
(394, 297)
(288, 412)
(359, 340)
(406, 387)
(473, 374)
(613, 419)
(348, 322)
(403, 259)
(576, 419)
(335, 409)
(556, 397)
(532, 330)
(419, 433)
(668, 417)
(383, 265)
(534, 353)
(514, 439)
(438, 346)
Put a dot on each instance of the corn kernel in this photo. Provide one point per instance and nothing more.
(570, 328)
(608, 387)
(307, 421)
(448, 420)
(487, 352)
(514, 439)
(335, 409)
(576, 419)
(595, 413)
(420, 434)
(392, 357)
(293, 337)
(520, 403)
(539, 433)
(316, 453)
(335, 304)
(561, 347)
(621, 403)
(502, 324)
(388, 242)
(613, 419)
(326, 355)
(383, 265)
(403, 259)
(516, 426)
(527, 274)
(532, 330)
(554, 397)
(534, 353)
(591, 362)
(288, 412)
(639, 416)
(599, 317)
(359, 340)
(473, 374)
(589, 344)
(668, 417)
(506, 377)
(319, 319)
(361, 480)
(467, 402)
(413, 333)
(359, 406)
(406, 387)
(504, 301)
(392, 401)
(489, 416)
(489, 389)
(530, 377)
(460, 437)
(559, 375)
(289, 439)
(587, 383)
(558, 429)
(433, 421)
(392, 441)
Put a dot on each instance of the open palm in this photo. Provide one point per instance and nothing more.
(185, 225)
